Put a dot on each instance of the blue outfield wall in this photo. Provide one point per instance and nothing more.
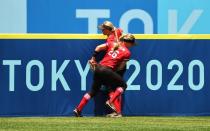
(81, 16)
(47, 75)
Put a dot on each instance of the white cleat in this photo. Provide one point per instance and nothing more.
(111, 106)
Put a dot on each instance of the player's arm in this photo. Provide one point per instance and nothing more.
(98, 49)
(101, 47)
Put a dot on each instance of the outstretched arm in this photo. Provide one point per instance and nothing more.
(101, 47)
(98, 49)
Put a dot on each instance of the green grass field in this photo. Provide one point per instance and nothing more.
(105, 124)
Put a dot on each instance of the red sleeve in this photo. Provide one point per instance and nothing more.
(109, 44)
(111, 38)
(127, 56)
(119, 32)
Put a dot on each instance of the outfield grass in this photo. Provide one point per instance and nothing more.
(102, 124)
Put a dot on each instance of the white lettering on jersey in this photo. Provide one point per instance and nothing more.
(113, 53)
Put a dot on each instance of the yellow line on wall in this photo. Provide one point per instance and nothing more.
(172, 36)
(100, 36)
(51, 36)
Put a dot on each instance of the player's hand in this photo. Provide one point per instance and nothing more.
(92, 63)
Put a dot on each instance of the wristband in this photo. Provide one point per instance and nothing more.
(95, 53)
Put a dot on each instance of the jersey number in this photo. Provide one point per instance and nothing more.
(113, 53)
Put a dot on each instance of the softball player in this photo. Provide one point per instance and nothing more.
(113, 34)
(104, 72)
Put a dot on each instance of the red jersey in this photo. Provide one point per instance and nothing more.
(112, 37)
(113, 58)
